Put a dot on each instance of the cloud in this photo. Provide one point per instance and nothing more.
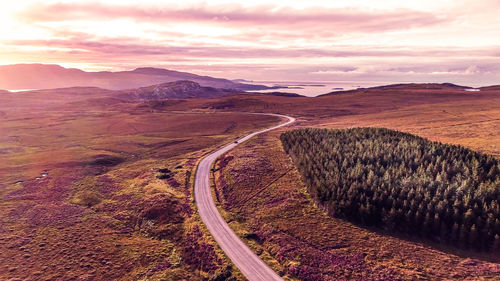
(335, 71)
(344, 19)
(81, 42)
(255, 41)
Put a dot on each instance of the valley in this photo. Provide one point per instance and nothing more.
(257, 140)
(117, 195)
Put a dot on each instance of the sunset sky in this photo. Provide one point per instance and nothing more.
(355, 40)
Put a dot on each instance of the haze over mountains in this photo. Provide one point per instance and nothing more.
(148, 83)
(48, 76)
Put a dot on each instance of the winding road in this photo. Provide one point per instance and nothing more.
(247, 261)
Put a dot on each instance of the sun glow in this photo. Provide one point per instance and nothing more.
(387, 36)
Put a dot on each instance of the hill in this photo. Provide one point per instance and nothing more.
(122, 183)
(422, 86)
(178, 90)
(490, 88)
(409, 87)
(44, 76)
(279, 94)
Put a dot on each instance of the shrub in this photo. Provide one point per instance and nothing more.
(87, 198)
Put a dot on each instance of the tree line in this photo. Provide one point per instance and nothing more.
(402, 182)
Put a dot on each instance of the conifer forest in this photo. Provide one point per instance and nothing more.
(402, 183)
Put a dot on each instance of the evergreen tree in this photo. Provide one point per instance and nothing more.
(473, 236)
(455, 233)
(401, 182)
(462, 238)
(496, 243)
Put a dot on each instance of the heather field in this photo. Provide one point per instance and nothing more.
(88, 194)
(267, 204)
(249, 140)
(261, 193)
(95, 187)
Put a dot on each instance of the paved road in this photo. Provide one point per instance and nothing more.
(249, 263)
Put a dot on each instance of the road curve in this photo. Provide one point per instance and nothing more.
(247, 261)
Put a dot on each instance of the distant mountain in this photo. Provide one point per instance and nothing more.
(4, 92)
(242, 81)
(423, 86)
(176, 90)
(46, 76)
(279, 94)
(490, 88)
(411, 87)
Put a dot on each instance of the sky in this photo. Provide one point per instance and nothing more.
(355, 40)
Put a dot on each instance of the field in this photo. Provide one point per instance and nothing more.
(94, 194)
(94, 187)
(276, 215)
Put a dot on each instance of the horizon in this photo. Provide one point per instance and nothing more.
(299, 41)
(250, 81)
(303, 88)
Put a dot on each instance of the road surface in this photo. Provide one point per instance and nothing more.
(247, 261)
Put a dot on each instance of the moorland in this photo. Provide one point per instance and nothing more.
(94, 191)
(277, 215)
(97, 184)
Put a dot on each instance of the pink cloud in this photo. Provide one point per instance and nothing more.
(259, 42)
(340, 19)
(82, 43)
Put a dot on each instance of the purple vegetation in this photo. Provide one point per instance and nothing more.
(173, 182)
(198, 253)
(318, 264)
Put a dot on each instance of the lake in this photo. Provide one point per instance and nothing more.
(312, 89)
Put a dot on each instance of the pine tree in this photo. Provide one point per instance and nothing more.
(387, 178)
(455, 233)
(473, 236)
(427, 225)
(462, 238)
(437, 225)
(468, 218)
(496, 243)
(443, 233)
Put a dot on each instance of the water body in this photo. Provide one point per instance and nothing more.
(312, 89)
(21, 90)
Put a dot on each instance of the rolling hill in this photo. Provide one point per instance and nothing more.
(410, 88)
(176, 90)
(45, 76)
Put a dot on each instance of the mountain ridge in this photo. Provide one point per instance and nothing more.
(181, 89)
(50, 76)
(407, 87)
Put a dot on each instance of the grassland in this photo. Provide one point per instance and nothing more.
(263, 196)
(95, 193)
(116, 203)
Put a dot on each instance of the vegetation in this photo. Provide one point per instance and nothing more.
(268, 205)
(401, 182)
(93, 146)
(89, 203)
